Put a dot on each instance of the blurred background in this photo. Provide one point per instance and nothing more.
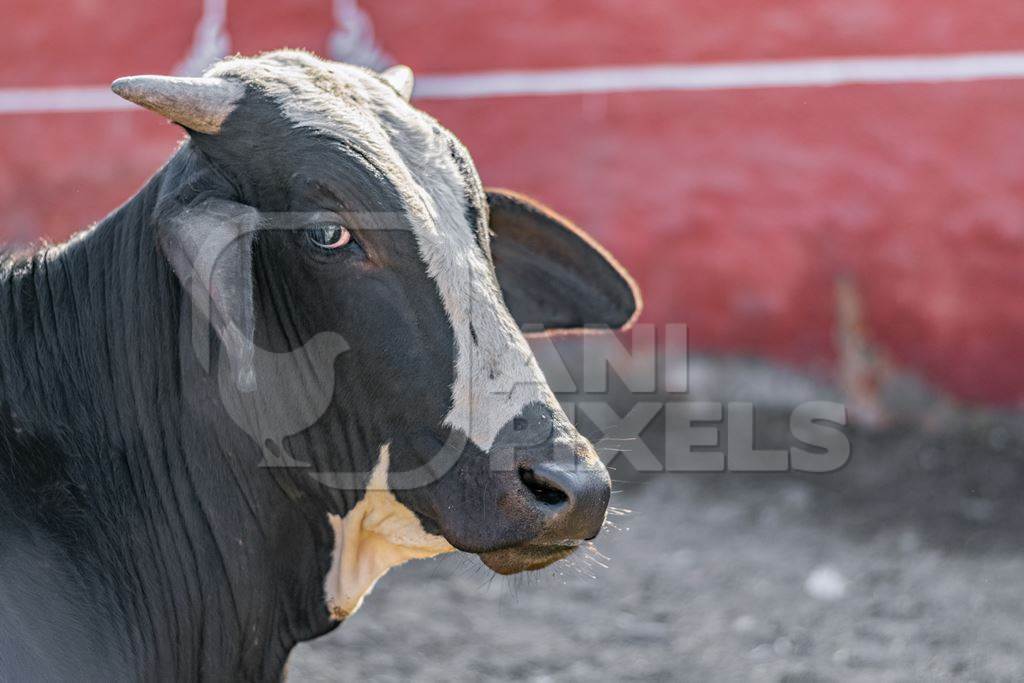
(829, 194)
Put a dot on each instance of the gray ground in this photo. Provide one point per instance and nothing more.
(906, 565)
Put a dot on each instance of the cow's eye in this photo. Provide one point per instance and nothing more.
(329, 236)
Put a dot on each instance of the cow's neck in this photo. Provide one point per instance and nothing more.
(212, 566)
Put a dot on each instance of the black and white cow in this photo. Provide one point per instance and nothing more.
(293, 360)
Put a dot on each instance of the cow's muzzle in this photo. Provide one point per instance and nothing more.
(554, 487)
(532, 499)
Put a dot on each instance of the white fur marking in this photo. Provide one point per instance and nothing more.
(377, 534)
(496, 375)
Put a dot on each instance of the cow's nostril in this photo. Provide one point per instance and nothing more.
(544, 491)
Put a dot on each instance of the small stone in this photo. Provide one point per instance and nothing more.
(825, 583)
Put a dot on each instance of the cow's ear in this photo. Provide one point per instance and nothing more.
(401, 79)
(552, 274)
(209, 246)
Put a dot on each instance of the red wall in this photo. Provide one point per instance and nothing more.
(736, 209)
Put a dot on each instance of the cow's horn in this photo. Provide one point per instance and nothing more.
(200, 104)
(400, 78)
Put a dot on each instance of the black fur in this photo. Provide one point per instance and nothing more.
(139, 537)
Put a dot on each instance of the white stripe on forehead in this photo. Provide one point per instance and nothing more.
(496, 374)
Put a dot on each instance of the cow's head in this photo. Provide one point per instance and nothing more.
(316, 200)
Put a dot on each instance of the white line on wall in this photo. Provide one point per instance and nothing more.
(727, 76)
(650, 77)
(60, 99)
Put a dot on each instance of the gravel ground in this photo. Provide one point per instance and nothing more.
(904, 566)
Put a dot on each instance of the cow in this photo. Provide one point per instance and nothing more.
(297, 357)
